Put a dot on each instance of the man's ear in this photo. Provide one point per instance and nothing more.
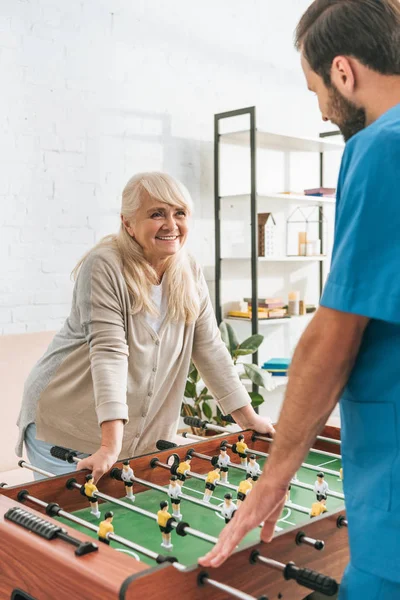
(343, 75)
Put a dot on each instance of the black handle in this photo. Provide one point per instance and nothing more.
(311, 579)
(228, 418)
(47, 530)
(63, 453)
(164, 445)
(194, 422)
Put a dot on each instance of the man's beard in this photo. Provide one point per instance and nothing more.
(347, 116)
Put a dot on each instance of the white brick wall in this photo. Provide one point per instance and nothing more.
(93, 92)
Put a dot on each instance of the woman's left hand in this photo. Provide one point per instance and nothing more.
(247, 418)
(262, 425)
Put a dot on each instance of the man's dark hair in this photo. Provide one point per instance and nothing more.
(368, 30)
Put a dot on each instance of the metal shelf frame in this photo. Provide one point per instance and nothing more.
(251, 112)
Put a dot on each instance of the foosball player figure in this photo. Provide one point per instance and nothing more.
(126, 476)
(174, 491)
(228, 509)
(183, 470)
(241, 448)
(211, 479)
(318, 508)
(288, 493)
(253, 468)
(244, 488)
(223, 462)
(163, 517)
(105, 527)
(90, 488)
(341, 473)
(321, 488)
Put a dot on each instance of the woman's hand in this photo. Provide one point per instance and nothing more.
(247, 418)
(99, 462)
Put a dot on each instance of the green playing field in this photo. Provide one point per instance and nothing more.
(145, 531)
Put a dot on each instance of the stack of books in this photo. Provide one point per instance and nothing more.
(277, 366)
(268, 308)
(321, 191)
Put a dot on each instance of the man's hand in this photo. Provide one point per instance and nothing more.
(263, 504)
(98, 463)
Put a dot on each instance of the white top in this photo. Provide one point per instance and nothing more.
(254, 470)
(223, 461)
(160, 300)
(127, 475)
(227, 511)
(321, 488)
(174, 491)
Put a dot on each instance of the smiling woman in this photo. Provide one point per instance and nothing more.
(112, 381)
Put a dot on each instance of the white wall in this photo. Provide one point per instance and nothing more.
(94, 91)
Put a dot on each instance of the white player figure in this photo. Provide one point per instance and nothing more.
(321, 488)
(229, 508)
(223, 463)
(127, 476)
(174, 491)
(253, 468)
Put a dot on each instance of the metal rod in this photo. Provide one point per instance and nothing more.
(208, 458)
(297, 507)
(304, 465)
(197, 476)
(274, 564)
(233, 592)
(313, 450)
(308, 486)
(95, 529)
(329, 440)
(25, 465)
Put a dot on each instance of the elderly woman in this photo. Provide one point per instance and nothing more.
(111, 382)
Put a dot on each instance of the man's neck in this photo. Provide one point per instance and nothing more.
(383, 94)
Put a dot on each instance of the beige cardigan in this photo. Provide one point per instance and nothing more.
(108, 364)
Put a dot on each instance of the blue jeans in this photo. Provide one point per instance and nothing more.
(357, 585)
(39, 455)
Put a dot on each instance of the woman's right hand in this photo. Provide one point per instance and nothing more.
(98, 463)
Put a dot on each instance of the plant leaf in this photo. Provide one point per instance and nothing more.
(229, 337)
(206, 408)
(193, 373)
(190, 390)
(256, 399)
(255, 374)
(252, 343)
(244, 351)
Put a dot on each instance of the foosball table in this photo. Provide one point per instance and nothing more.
(50, 548)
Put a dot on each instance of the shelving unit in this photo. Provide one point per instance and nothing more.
(254, 140)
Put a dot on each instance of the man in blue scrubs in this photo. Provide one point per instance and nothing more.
(350, 54)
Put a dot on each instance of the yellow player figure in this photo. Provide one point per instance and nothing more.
(244, 488)
(105, 528)
(182, 470)
(318, 508)
(211, 480)
(163, 517)
(241, 448)
(126, 476)
(341, 473)
(89, 489)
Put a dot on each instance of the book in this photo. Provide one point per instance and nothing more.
(321, 191)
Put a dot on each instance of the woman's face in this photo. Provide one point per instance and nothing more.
(159, 228)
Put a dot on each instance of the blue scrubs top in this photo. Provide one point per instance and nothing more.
(365, 280)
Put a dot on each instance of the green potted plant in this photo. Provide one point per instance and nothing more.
(196, 402)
